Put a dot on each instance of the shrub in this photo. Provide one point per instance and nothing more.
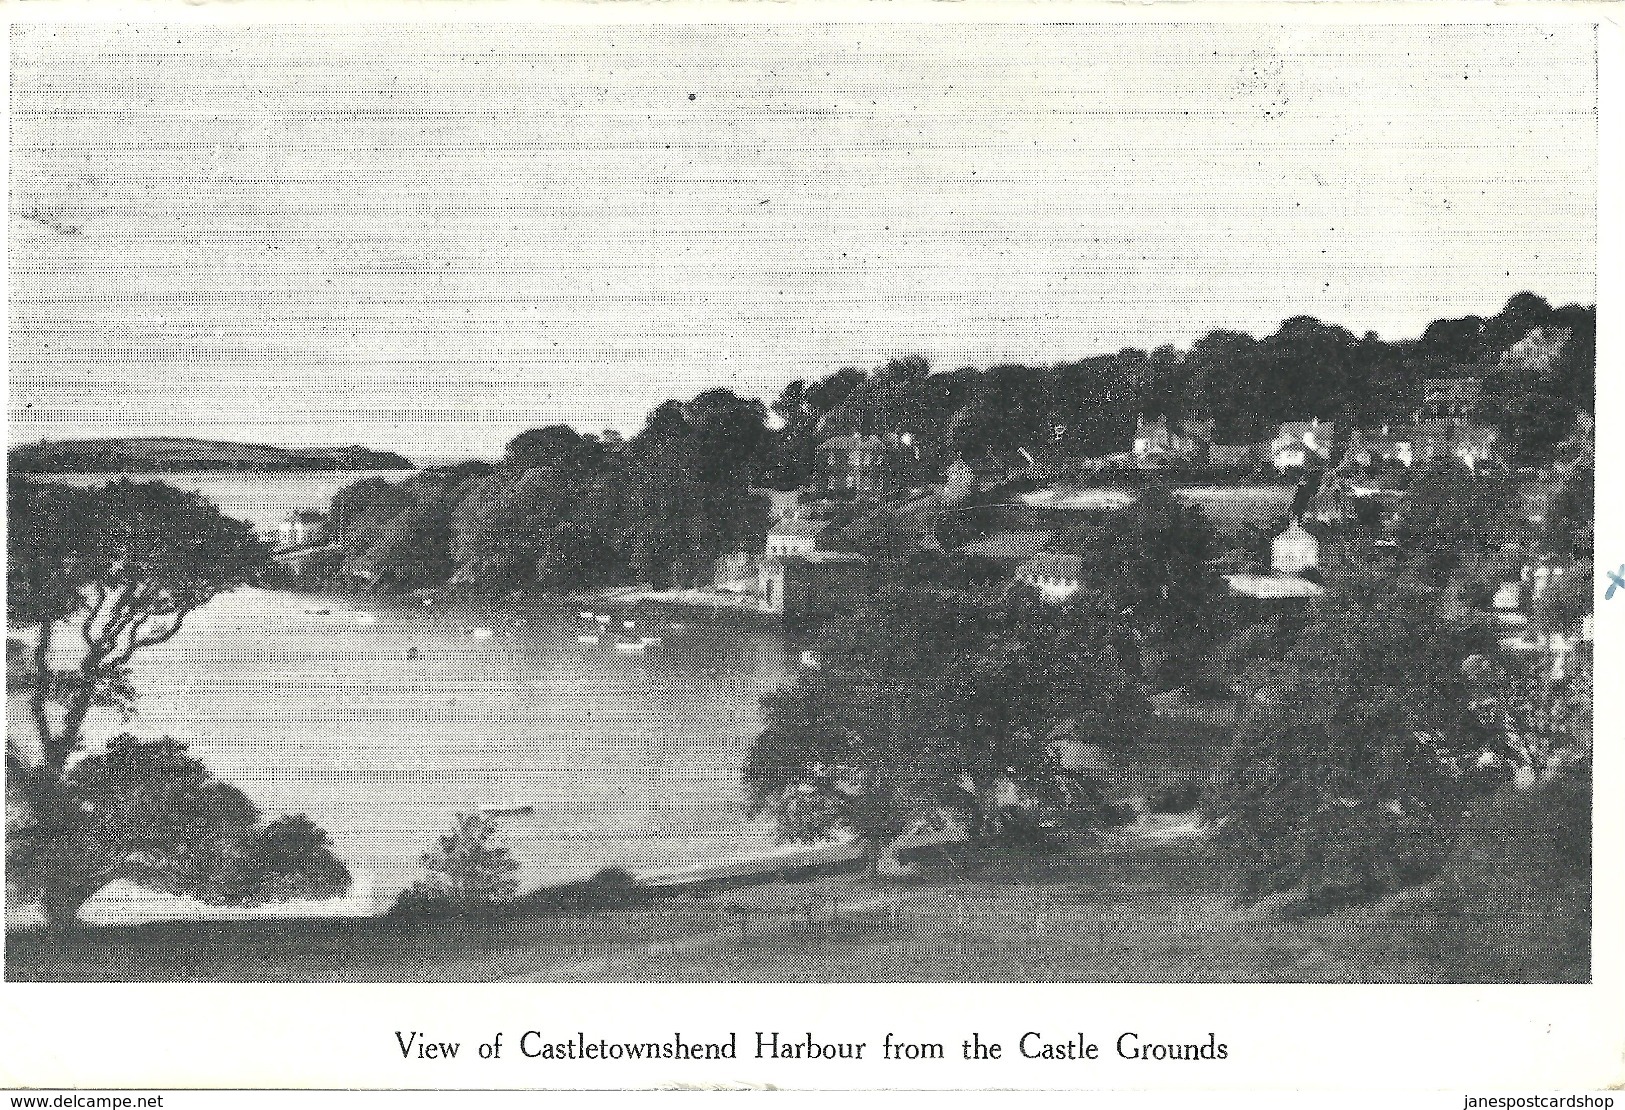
(1175, 797)
(610, 889)
(1023, 829)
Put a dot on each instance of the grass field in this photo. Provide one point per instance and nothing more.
(1140, 905)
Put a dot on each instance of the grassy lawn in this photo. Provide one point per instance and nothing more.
(1127, 907)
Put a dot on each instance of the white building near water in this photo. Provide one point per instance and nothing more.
(303, 528)
(793, 537)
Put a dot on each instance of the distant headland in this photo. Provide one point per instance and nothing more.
(163, 455)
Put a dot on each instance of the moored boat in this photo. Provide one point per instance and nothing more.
(508, 809)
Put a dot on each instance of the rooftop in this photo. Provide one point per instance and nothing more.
(1463, 390)
(853, 443)
(1272, 586)
(1299, 428)
(816, 558)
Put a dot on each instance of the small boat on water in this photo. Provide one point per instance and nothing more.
(483, 634)
(634, 647)
(629, 625)
(586, 638)
(648, 641)
(508, 809)
(601, 619)
(586, 616)
(319, 612)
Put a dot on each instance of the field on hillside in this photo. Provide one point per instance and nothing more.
(1229, 508)
(1140, 905)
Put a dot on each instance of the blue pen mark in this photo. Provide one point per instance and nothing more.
(1615, 581)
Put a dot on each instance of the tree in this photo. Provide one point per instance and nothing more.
(1093, 404)
(470, 867)
(1151, 559)
(100, 575)
(728, 439)
(558, 447)
(934, 701)
(1451, 512)
(1365, 744)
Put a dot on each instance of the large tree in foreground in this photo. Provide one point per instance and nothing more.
(1367, 742)
(936, 701)
(95, 576)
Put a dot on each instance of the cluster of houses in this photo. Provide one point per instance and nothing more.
(802, 573)
(1447, 422)
(797, 575)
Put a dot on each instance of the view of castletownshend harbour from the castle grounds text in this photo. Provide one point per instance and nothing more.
(824, 503)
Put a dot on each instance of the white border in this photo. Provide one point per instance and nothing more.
(1477, 1040)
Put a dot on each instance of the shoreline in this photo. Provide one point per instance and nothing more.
(736, 852)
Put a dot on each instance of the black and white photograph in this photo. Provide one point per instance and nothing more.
(821, 503)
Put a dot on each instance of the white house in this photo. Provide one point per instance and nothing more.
(1301, 443)
(1294, 551)
(1161, 441)
(304, 528)
(1056, 577)
(792, 537)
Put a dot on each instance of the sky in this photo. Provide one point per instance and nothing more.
(429, 238)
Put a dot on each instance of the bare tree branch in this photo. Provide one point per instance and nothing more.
(91, 615)
(40, 697)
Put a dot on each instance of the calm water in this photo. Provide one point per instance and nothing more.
(630, 761)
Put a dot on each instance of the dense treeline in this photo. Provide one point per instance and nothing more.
(566, 510)
(563, 510)
(1248, 386)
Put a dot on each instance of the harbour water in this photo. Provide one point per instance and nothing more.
(381, 719)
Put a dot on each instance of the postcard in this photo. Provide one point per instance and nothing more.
(926, 547)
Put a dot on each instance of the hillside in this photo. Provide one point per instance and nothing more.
(159, 455)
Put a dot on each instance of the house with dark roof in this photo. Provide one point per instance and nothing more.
(1164, 442)
(1413, 445)
(1302, 443)
(814, 586)
(869, 465)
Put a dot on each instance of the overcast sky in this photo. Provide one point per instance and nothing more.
(430, 238)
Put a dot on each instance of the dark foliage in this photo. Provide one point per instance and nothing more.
(110, 572)
(1362, 751)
